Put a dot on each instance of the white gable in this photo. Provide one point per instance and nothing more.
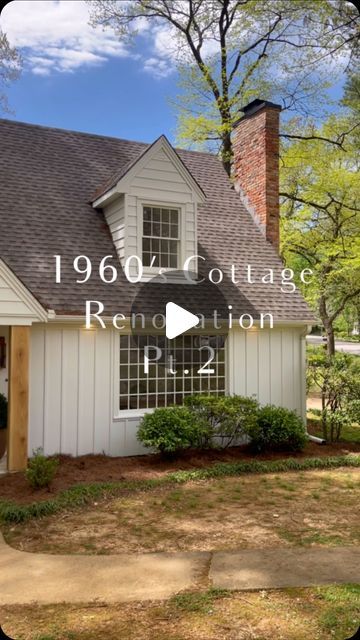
(17, 304)
(160, 179)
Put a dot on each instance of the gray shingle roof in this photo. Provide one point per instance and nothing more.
(47, 180)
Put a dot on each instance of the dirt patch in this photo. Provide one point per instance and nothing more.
(251, 511)
(298, 614)
(100, 468)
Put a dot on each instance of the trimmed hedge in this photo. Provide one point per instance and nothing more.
(169, 430)
(277, 429)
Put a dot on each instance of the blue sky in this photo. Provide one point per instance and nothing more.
(79, 78)
(111, 89)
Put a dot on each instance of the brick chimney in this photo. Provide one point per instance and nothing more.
(256, 164)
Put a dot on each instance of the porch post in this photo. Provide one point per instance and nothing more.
(18, 413)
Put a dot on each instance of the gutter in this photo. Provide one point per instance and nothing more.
(315, 438)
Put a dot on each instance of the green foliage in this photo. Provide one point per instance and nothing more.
(81, 495)
(169, 429)
(277, 428)
(341, 614)
(3, 411)
(321, 218)
(338, 380)
(222, 419)
(197, 601)
(41, 470)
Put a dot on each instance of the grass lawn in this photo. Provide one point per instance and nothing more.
(315, 507)
(294, 614)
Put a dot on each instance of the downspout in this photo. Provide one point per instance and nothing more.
(303, 386)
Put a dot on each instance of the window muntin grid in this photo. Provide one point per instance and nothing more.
(160, 388)
(160, 244)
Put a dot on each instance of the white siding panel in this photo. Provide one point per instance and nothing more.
(115, 217)
(252, 364)
(239, 370)
(264, 367)
(287, 370)
(269, 363)
(297, 386)
(70, 391)
(102, 416)
(275, 367)
(132, 447)
(53, 391)
(86, 391)
(117, 437)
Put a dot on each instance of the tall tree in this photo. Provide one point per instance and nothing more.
(231, 50)
(10, 62)
(321, 219)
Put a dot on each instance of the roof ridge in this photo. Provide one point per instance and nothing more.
(99, 135)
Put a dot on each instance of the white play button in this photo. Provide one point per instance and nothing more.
(178, 320)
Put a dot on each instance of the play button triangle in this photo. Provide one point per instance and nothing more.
(178, 320)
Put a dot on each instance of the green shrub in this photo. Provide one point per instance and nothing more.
(3, 411)
(222, 419)
(338, 380)
(277, 428)
(41, 470)
(169, 430)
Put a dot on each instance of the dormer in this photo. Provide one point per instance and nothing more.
(150, 206)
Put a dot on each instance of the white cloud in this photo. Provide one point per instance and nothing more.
(158, 68)
(56, 36)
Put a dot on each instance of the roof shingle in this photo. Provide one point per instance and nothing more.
(48, 178)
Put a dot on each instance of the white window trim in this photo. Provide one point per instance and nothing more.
(151, 272)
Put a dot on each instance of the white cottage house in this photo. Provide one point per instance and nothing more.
(75, 389)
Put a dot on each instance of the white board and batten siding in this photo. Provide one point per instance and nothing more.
(74, 385)
(269, 365)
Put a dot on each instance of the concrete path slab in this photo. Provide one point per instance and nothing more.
(280, 568)
(29, 577)
(49, 579)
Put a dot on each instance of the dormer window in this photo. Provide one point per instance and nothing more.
(161, 237)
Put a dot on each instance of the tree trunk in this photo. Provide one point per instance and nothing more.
(227, 153)
(330, 340)
(330, 336)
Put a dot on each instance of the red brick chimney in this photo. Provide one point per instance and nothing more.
(256, 164)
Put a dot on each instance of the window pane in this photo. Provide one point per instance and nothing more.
(174, 216)
(146, 259)
(161, 388)
(174, 231)
(146, 244)
(156, 229)
(147, 213)
(164, 260)
(165, 216)
(123, 388)
(124, 342)
(165, 230)
(124, 373)
(173, 261)
(147, 229)
(156, 214)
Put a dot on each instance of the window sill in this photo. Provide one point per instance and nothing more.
(131, 413)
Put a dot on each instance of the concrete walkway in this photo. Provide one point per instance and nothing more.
(48, 579)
